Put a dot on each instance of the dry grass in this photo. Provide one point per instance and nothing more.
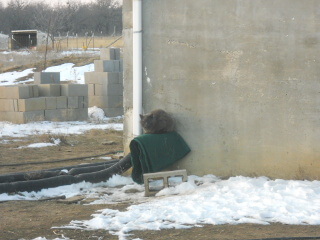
(16, 62)
(38, 65)
(87, 43)
(49, 138)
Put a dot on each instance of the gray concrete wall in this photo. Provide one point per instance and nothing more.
(127, 72)
(4, 42)
(240, 76)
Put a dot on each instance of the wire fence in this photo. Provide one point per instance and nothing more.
(66, 42)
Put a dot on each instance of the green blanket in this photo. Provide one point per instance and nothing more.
(154, 152)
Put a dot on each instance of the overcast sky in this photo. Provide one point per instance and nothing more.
(53, 2)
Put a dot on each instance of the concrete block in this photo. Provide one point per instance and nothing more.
(110, 54)
(49, 90)
(15, 92)
(101, 89)
(47, 77)
(16, 105)
(121, 65)
(66, 114)
(51, 103)
(22, 117)
(56, 115)
(113, 112)
(33, 91)
(33, 116)
(73, 102)
(80, 114)
(85, 102)
(31, 104)
(147, 177)
(107, 54)
(112, 89)
(107, 65)
(91, 90)
(117, 53)
(62, 102)
(80, 102)
(3, 116)
(7, 105)
(106, 101)
(72, 90)
(102, 77)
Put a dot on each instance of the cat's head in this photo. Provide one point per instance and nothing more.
(157, 121)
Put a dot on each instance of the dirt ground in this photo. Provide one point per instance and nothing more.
(31, 219)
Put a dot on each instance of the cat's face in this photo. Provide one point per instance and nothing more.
(147, 121)
(158, 121)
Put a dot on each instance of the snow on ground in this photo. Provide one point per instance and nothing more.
(70, 73)
(67, 70)
(22, 53)
(201, 200)
(55, 142)
(97, 121)
(42, 238)
(67, 73)
(9, 78)
(65, 128)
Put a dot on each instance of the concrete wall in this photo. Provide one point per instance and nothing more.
(4, 42)
(240, 76)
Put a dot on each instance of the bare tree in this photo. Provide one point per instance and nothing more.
(97, 16)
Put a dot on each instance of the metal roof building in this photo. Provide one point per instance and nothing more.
(27, 39)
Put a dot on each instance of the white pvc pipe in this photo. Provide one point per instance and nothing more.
(137, 66)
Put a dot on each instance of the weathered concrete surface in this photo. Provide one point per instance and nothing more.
(241, 78)
(46, 77)
(127, 73)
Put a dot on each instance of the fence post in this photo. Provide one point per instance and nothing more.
(93, 40)
(67, 40)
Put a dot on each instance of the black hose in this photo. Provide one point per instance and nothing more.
(123, 165)
(286, 238)
(36, 185)
(94, 177)
(76, 171)
(33, 175)
(84, 165)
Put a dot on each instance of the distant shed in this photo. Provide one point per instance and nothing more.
(4, 41)
(27, 39)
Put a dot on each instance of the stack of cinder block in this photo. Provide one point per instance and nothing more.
(105, 84)
(49, 102)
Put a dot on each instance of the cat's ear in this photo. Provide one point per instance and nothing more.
(141, 116)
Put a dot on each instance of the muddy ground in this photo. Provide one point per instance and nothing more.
(31, 219)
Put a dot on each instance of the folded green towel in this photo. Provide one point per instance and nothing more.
(154, 152)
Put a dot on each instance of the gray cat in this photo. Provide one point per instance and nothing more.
(158, 121)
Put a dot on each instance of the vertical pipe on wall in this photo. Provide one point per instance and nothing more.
(137, 66)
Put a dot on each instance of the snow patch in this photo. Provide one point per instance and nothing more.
(96, 114)
(64, 128)
(209, 200)
(200, 200)
(56, 142)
